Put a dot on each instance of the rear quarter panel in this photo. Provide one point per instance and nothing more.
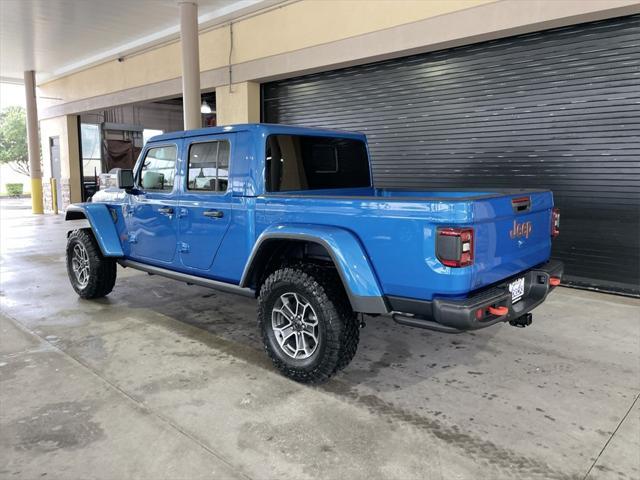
(397, 236)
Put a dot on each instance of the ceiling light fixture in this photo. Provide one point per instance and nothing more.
(205, 108)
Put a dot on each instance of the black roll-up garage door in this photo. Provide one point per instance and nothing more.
(557, 109)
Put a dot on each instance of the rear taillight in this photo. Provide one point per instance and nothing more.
(454, 246)
(555, 222)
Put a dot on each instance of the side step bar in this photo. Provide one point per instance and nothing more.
(189, 279)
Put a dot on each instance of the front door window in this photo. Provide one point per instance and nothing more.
(158, 169)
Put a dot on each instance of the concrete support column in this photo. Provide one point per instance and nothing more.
(33, 142)
(190, 64)
(239, 103)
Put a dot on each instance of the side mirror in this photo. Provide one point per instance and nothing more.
(124, 178)
(120, 178)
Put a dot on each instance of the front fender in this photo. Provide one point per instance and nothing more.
(102, 225)
(348, 254)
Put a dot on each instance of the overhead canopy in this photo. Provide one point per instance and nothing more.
(57, 37)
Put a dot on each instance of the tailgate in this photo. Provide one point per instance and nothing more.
(513, 233)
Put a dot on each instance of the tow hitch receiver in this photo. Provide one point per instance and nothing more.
(522, 321)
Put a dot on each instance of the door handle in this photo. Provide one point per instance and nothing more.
(213, 213)
(166, 210)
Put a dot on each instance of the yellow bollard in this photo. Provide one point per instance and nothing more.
(54, 196)
(36, 195)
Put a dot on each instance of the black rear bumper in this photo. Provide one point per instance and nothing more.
(471, 313)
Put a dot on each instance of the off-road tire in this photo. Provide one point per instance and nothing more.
(338, 325)
(102, 270)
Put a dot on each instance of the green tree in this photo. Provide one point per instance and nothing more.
(13, 139)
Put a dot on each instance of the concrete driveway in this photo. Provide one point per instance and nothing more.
(163, 380)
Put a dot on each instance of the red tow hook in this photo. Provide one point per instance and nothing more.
(554, 281)
(498, 311)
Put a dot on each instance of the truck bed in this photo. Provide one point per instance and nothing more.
(397, 229)
(392, 194)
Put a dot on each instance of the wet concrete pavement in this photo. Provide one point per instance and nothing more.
(165, 380)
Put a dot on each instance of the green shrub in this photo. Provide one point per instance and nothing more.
(14, 189)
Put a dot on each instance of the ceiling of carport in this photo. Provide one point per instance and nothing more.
(57, 37)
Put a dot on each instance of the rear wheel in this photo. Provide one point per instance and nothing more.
(91, 274)
(307, 325)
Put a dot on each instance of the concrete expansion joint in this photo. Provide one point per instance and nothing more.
(606, 444)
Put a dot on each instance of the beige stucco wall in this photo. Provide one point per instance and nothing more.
(153, 66)
(238, 104)
(65, 127)
(314, 35)
(292, 27)
(314, 22)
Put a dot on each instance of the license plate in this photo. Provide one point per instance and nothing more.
(517, 289)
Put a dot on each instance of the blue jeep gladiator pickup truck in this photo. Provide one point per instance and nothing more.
(291, 216)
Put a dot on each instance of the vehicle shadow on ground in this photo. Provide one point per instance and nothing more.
(390, 356)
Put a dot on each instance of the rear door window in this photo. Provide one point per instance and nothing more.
(208, 169)
(303, 162)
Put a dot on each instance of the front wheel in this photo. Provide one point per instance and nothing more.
(307, 325)
(91, 274)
